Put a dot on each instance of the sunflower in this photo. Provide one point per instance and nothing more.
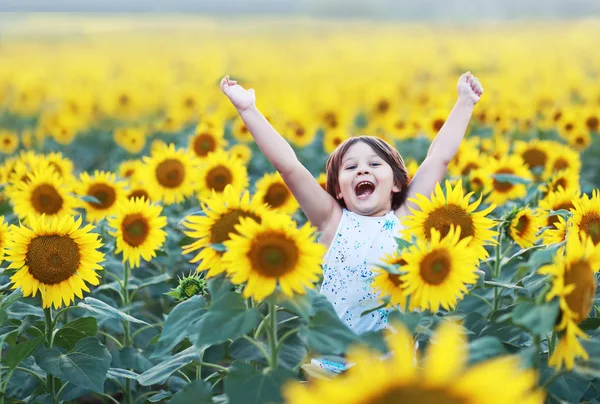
(300, 134)
(562, 158)
(479, 182)
(44, 194)
(333, 138)
(3, 237)
(271, 189)
(389, 284)
(469, 160)
(322, 180)
(559, 200)
(567, 179)
(240, 132)
(56, 256)
(586, 216)
(241, 151)
(9, 142)
(441, 378)
(208, 139)
(580, 140)
(411, 168)
(132, 139)
(573, 282)
(271, 253)
(106, 189)
(137, 190)
(222, 212)
(170, 174)
(219, 170)
(524, 227)
(138, 230)
(502, 191)
(62, 165)
(441, 212)
(130, 169)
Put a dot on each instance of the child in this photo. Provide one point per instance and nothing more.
(359, 214)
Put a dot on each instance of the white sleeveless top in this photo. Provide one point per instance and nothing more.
(359, 243)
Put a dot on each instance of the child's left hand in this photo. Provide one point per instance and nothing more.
(468, 87)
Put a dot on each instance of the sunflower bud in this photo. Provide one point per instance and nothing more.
(189, 286)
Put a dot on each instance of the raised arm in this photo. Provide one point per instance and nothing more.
(446, 143)
(319, 207)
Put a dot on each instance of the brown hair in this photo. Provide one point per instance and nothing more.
(389, 154)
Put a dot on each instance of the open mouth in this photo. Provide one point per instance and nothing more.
(364, 189)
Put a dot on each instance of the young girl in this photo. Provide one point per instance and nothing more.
(359, 214)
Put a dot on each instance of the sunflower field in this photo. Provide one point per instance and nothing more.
(149, 252)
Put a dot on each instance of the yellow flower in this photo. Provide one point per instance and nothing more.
(273, 253)
(441, 212)
(271, 189)
(438, 270)
(333, 138)
(138, 229)
(300, 134)
(170, 174)
(562, 158)
(586, 216)
(219, 170)
(322, 180)
(567, 179)
(389, 284)
(9, 142)
(43, 194)
(443, 377)
(573, 282)
(106, 189)
(240, 132)
(559, 200)
(62, 165)
(525, 226)
(241, 151)
(222, 212)
(580, 140)
(502, 191)
(130, 169)
(3, 237)
(208, 139)
(132, 139)
(535, 154)
(56, 256)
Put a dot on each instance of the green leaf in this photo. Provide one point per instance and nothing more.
(84, 366)
(218, 286)
(160, 396)
(227, 318)
(410, 319)
(510, 178)
(117, 373)
(218, 247)
(298, 304)
(485, 348)
(503, 285)
(569, 387)
(104, 310)
(325, 332)
(542, 257)
(244, 385)
(21, 351)
(21, 310)
(539, 319)
(591, 323)
(89, 199)
(72, 332)
(162, 371)
(402, 244)
(534, 282)
(522, 252)
(137, 284)
(179, 323)
(197, 391)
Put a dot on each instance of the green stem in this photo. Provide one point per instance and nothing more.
(49, 341)
(258, 345)
(552, 378)
(497, 267)
(144, 328)
(284, 337)
(141, 397)
(187, 379)
(537, 341)
(57, 397)
(60, 312)
(261, 326)
(31, 372)
(199, 367)
(126, 326)
(272, 333)
(113, 339)
(483, 299)
(552, 344)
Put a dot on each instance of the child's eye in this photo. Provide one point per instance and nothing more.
(350, 167)
(375, 164)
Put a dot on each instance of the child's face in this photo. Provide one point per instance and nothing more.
(366, 181)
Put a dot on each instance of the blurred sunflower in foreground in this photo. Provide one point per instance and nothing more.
(442, 377)
(55, 256)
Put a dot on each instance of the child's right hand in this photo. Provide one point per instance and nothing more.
(241, 98)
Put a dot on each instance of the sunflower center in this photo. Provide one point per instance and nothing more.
(330, 119)
(559, 182)
(218, 178)
(590, 223)
(105, 194)
(443, 217)
(522, 225)
(467, 169)
(535, 158)
(437, 124)
(435, 267)
(560, 164)
(46, 199)
(383, 106)
(395, 279)
(139, 193)
(135, 229)
(170, 173)
(204, 144)
(581, 298)
(592, 123)
(414, 394)
(273, 255)
(52, 259)
(476, 184)
(56, 167)
(502, 186)
(226, 224)
(552, 220)
(337, 141)
(277, 195)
